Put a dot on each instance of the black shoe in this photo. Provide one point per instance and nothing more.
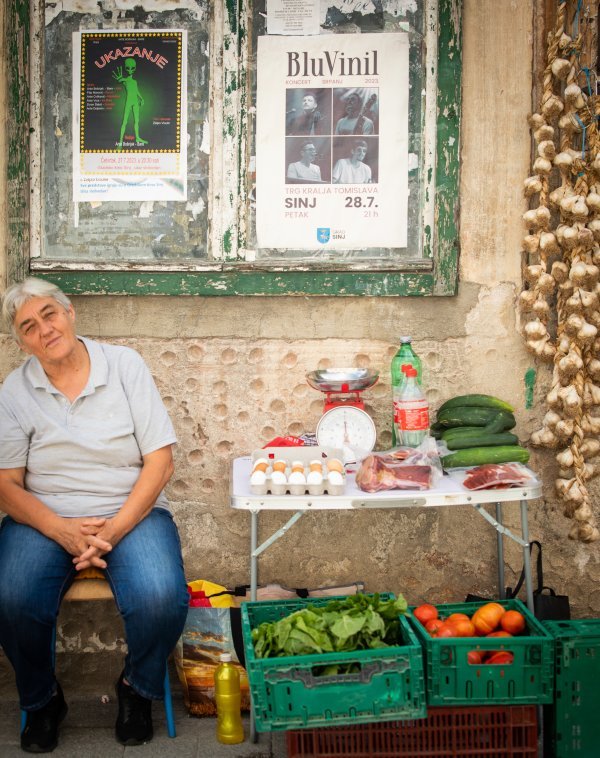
(41, 728)
(134, 722)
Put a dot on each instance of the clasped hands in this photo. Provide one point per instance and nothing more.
(88, 539)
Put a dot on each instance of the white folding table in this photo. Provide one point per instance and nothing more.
(449, 492)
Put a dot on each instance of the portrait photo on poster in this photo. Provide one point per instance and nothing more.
(307, 112)
(355, 160)
(308, 161)
(356, 110)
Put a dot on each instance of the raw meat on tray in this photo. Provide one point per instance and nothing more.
(387, 472)
(497, 476)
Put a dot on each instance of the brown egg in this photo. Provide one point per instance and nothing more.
(335, 465)
(298, 467)
(279, 466)
(260, 466)
(316, 466)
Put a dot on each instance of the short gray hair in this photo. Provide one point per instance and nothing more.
(22, 292)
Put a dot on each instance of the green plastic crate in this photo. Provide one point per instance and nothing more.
(287, 695)
(451, 680)
(571, 723)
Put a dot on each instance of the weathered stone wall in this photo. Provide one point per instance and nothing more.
(231, 371)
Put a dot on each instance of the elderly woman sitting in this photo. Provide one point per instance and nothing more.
(85, 453)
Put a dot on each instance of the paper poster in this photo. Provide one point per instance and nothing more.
(293, 16)
(332, 141)
(129, 115)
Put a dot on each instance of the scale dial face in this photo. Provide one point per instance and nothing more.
(348, 428)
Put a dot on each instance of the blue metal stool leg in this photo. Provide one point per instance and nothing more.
(169, 706)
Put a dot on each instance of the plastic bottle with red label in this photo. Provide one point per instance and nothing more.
(411, 411)
(405, 356)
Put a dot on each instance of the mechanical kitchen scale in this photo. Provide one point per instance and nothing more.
(345, 424)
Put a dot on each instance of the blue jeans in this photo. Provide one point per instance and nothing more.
(145, 572)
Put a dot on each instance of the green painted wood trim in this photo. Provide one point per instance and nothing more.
(350, 283)
(380, 284)
(448, 147)
(16, 38)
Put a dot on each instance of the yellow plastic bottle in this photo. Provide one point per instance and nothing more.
(230, 730)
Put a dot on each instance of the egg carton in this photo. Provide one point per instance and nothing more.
(302, 455)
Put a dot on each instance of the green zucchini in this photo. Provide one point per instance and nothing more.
(461, 431)
(479, 401)
(477, 456)
(483, 439)
(498, 423)
(436, 431)
(471, 416)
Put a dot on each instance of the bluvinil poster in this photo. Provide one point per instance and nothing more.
(332, 141)
(129, 115)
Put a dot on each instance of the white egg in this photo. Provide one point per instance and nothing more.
(315, 477)
(335, 478)
(258, 477)
(297, 477)
(278, 477)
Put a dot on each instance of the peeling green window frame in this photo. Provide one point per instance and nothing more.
(236, 273)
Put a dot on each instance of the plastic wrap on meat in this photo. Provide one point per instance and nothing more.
(497, 476)
(387, 472)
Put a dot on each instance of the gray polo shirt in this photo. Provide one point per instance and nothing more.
(83, 458)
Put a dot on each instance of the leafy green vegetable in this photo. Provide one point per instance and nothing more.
(357, 622)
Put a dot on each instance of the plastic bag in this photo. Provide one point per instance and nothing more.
(208, 632)
(279, 592)
(497, 476)
(402, 468)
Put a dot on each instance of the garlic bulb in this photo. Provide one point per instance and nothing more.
(563, 161)
(535, 329)
(561, 68)
(572, 92)
(547, 149)
(546, 283)
(543, 133)
(552, 107)
(564, 428)
(565, 458)
(590, 424)
(542, 166)
(560, 271)
(544, 438)
(548, 243)
(589, 447)
(533, 273)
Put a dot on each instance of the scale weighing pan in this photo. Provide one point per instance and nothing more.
(342, 379)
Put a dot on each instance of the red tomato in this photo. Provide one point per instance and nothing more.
(463, 627)
(433, 625)
(425, 613)
(513, 622)
(487, 617)
(446, 630)
(457, 617)
(500, 657)
(500, 633)
(475, 657)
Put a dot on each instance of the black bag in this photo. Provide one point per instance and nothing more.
(547, 605)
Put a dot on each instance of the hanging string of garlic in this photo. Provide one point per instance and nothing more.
(562, 247)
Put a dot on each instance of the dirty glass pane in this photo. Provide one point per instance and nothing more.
(363, 18)
(150, 231)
